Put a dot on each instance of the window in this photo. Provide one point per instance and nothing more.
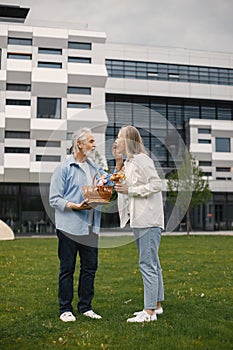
(40, 143)
(222, 144)
(78, 105)
(19, 41)
(79, 46)
(49, 64)
(79, 59)
(18, 87)
(79, 90)
(48, 108)
(17, 150)
(11, 102)
(224, 169)
(205, 163)
(206, 173)
(204, 131)
(49, 51)
(17, 134)
(204, 141)
(42, 158)
(172, 72)
(19, 56)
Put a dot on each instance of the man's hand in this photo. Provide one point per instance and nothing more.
(80, 206)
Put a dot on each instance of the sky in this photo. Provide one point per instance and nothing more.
(192, 24)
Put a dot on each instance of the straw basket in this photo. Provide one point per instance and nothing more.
(97, 194)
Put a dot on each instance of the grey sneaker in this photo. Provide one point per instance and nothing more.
(92, 314)
(67, 317)
(143, 316)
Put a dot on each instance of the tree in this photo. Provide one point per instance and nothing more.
(187, 188)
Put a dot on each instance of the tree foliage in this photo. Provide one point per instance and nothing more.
(187, 188)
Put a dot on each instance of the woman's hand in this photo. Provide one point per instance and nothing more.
(121, 188)
(79, 206)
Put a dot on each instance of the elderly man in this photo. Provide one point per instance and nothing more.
(77, 226)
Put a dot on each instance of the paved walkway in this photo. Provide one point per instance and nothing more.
(119, 233)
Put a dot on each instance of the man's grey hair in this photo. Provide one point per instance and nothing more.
(78, 135)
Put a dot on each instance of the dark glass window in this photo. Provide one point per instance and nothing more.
(206, 173)
(19, 56)
(79, 59)
(204, 131)
(205, 163)
(79, 90)
(224, 169)
(19, 41)
(170, 72)
(204, 141)
(17, 134)
(78, 105)
(18, 87)
(48, 108)
(42, 158)
(41, 143)
(79, 45)
(13, 102)
(17, 150)
(49, 51)
(222, 144)
(49, 64)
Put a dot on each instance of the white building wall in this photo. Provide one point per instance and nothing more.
(50, 83)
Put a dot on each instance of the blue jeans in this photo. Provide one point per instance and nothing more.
(67, 253)
(148, 241)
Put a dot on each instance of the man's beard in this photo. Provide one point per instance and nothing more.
(89, 154)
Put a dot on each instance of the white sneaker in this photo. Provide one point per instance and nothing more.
(143, 316)
(67, 317)
(92, 314)
(158, 311)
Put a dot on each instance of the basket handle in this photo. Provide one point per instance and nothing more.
(93, 180)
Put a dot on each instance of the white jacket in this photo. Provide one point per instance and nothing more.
(144, 204)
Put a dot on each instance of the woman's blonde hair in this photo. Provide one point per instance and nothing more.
(133, 141)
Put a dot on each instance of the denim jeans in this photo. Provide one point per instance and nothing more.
(68, 249)
(148, 241)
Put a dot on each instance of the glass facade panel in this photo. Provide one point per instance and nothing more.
(79, 59)
(50, 65)
(19, 56)
(173, 72)
(18, 87)
(79, 45)
(40, 143)
(19, 41)
(222, 144)
(49, 51)
(13, 102)
(79, 90)
(78, 105)
(17, 134)
(48, 107)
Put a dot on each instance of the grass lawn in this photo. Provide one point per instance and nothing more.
(198, 306)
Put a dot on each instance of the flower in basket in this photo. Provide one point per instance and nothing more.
(103, 179)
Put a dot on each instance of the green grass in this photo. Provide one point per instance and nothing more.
(198, 306)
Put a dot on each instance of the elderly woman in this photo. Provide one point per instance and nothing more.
(140, 202)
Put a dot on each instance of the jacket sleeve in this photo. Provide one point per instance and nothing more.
(57, 189)
(145, 180)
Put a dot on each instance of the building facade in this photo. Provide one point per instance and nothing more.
(55, 80)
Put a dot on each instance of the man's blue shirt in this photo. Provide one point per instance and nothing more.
(66, 186)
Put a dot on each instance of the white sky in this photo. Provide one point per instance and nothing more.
(193, 24)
